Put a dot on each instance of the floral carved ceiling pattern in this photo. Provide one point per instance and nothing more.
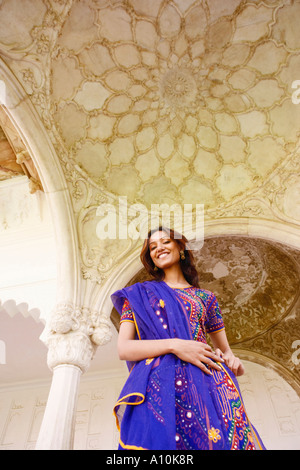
(175, 100)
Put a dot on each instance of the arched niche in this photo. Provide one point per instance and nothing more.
(28, 125)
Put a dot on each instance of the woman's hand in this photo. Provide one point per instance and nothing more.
(223, 350)
(197, 353)
(232, 362)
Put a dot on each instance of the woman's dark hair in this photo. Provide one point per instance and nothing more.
(187, 265)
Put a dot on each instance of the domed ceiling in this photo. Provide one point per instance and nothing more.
(182, 101)
(165, 101)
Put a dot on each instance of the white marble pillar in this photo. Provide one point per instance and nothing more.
(72, 336)
(57, 430)
(70, 350)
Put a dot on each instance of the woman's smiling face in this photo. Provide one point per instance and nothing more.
(164, 251)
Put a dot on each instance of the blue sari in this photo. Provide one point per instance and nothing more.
(210, 413)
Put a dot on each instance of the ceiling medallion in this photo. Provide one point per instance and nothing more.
(178, 88)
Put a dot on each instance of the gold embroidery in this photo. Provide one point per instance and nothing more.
(214, 434)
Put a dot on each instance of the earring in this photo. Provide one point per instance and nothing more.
(155, 268)
(182, 256)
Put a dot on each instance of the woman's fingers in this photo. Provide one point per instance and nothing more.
(234, 364)
(238, 368)
(219, 353)
(209, 358)
(201, 366)
(199, 354)
(214, 355)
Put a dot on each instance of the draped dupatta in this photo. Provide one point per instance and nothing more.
(151, 424)
(145, 410)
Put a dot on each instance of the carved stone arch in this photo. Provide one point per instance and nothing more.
(276, 231)
(22, 325)
(120, 277)
(10, 307)
(29, 126)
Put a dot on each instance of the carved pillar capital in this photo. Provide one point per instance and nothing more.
(101, 333)
(68, 337)
(73, 348)
(67, 317)
(73, 334)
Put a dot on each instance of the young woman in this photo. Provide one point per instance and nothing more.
(180, 393)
